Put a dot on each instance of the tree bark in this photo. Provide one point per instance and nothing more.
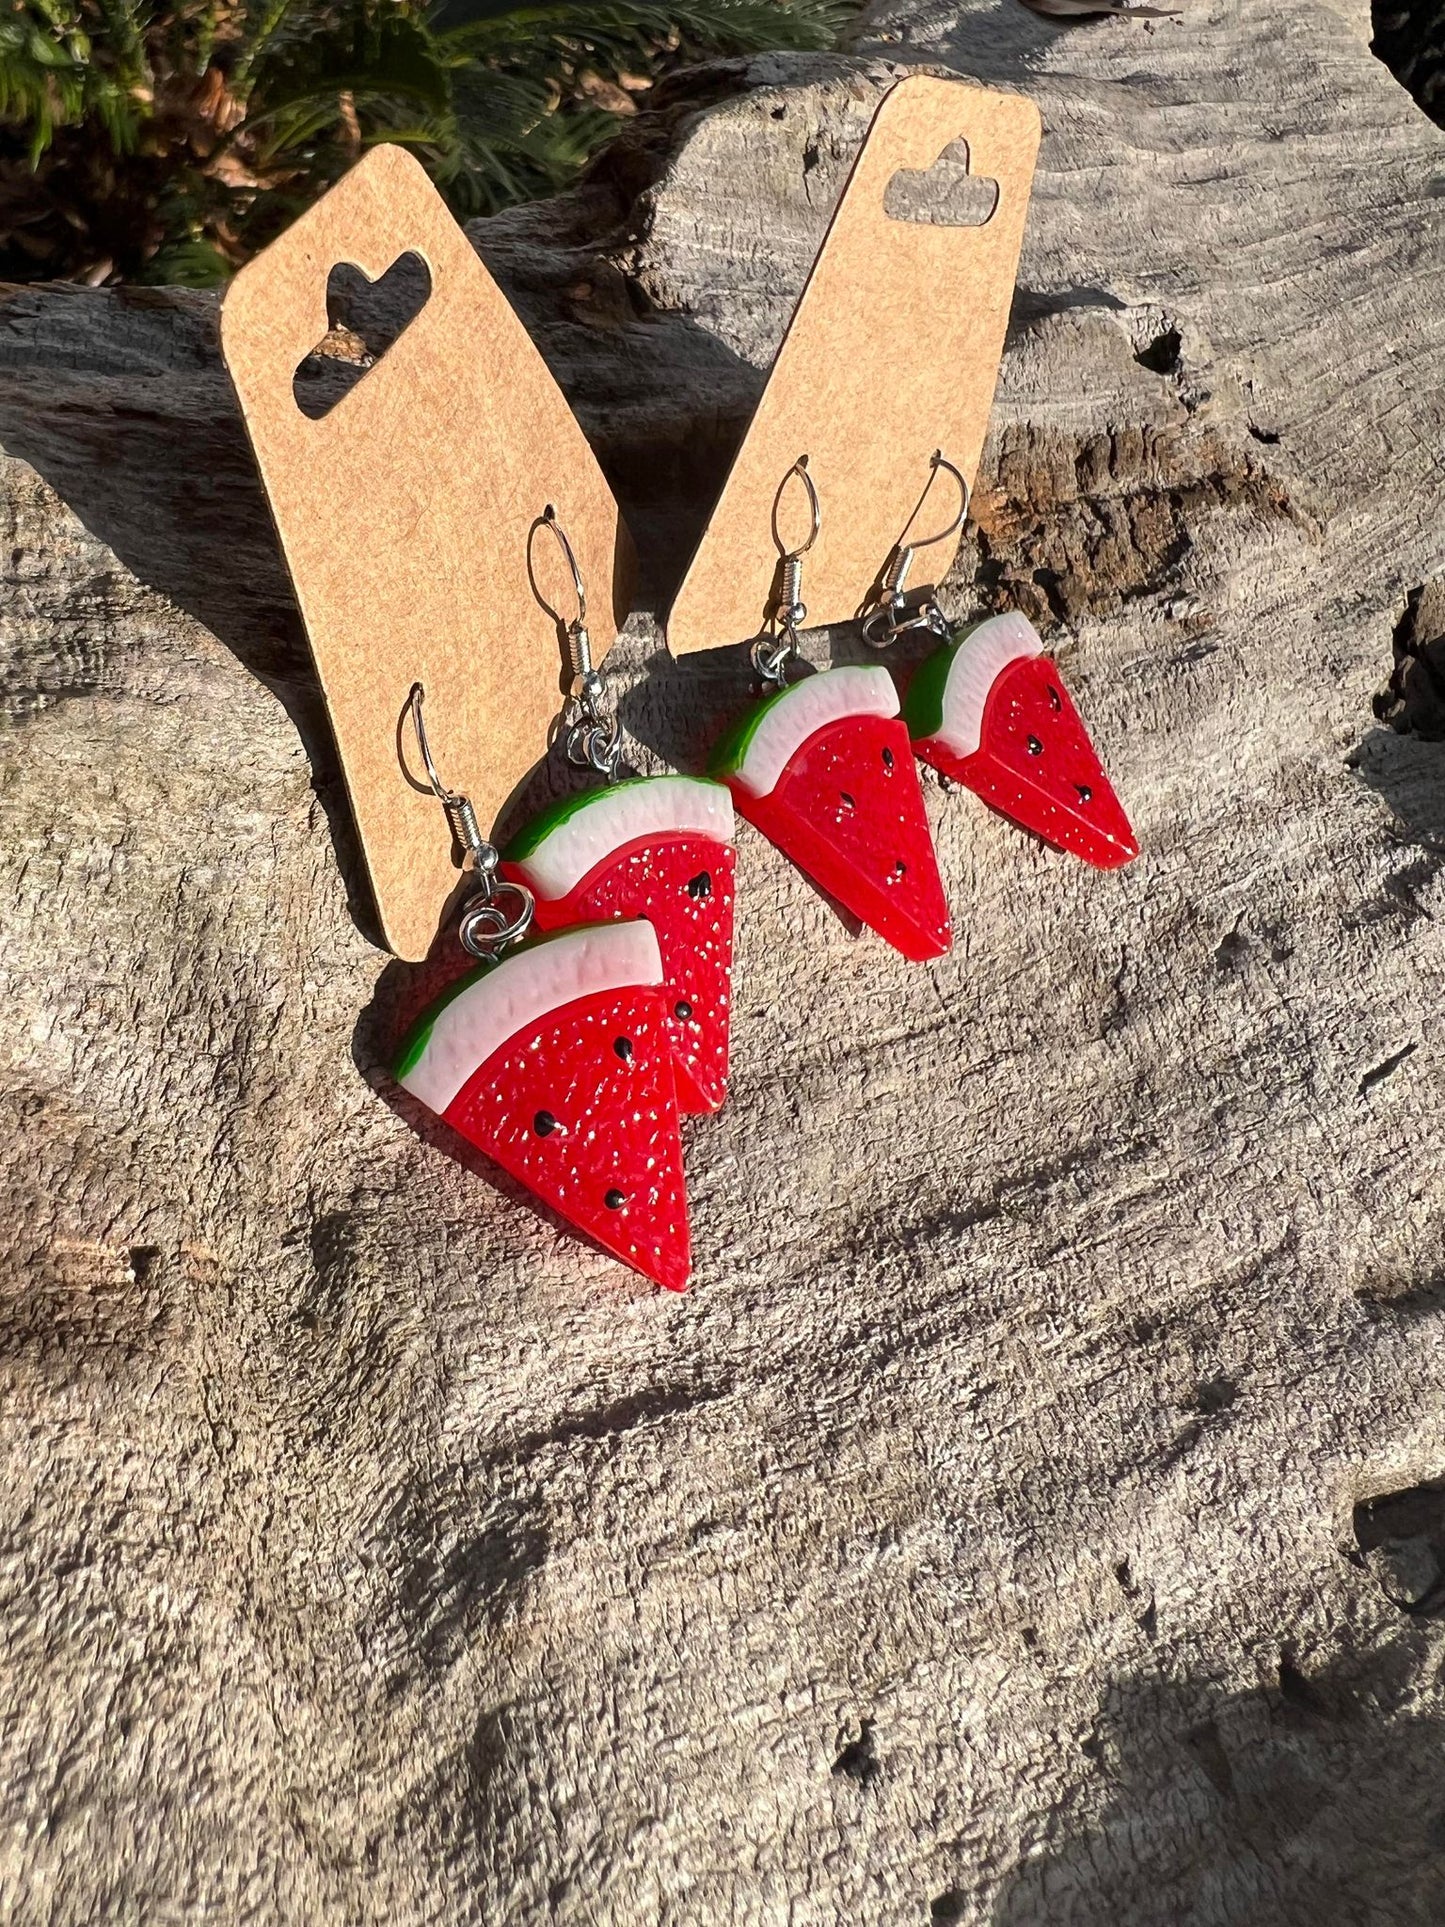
(1030, 1513)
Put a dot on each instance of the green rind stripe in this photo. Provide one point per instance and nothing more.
(553, 817)
(530, 839)
(731, 752)
(418, 1036)
(923, 705)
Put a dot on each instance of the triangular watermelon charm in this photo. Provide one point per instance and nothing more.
(824, 769)
(657, 847)
(556, 1063)
(990, 710)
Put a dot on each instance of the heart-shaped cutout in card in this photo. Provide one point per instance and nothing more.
(364, 318)
(405, 489)
(948, 194)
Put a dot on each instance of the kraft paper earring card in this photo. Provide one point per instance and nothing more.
(403, 512)
(892, 354)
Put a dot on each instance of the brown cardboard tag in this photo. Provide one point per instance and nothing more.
(893, 352)
(404, 516)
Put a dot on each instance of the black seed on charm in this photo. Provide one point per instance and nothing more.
(1084, 792)
(544, 1123)
(900, 868)
(1056, 701)
(1036, 748)
(700, 885)
(682, 1008)
(888, 759)
(615, 1200)
(623, 1047)
(846, 800)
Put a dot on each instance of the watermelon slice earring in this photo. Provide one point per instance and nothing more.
(656, 847)
(990, 710)
(823, 768)
(555, 1060)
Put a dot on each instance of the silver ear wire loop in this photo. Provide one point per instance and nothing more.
(592, 739)
(497, 912)
(772, 652)
(892, 617)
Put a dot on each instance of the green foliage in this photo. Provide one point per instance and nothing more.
(166, 140)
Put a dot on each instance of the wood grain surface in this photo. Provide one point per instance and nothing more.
(980, 1539)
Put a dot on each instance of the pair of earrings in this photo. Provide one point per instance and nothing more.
(567, 1060)
(824, 766)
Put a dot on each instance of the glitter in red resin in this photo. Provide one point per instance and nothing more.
(683, 886)
(1035, 764)
(580, 1108)
(848, 811)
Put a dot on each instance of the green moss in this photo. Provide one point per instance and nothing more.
(923, 705)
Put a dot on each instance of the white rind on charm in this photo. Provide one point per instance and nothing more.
(521, 989)
(830, 696)
(978, 662)
(626, 813)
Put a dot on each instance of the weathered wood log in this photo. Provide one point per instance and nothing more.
(1007, 1527)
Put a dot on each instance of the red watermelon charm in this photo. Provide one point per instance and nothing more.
(990, 710)
(556, 1062)
(824, 769)
(657, 847)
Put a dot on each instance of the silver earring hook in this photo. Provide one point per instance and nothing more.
(487, 925)
(891, 618)
(548, 519)
(593, 740)
(965, 502)
(815, 511)
(449, 799)
(772, 654)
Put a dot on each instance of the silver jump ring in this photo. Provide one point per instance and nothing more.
(882, 628)
(879, 629)
(486, 927)
(770, 658)
(595, 745)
